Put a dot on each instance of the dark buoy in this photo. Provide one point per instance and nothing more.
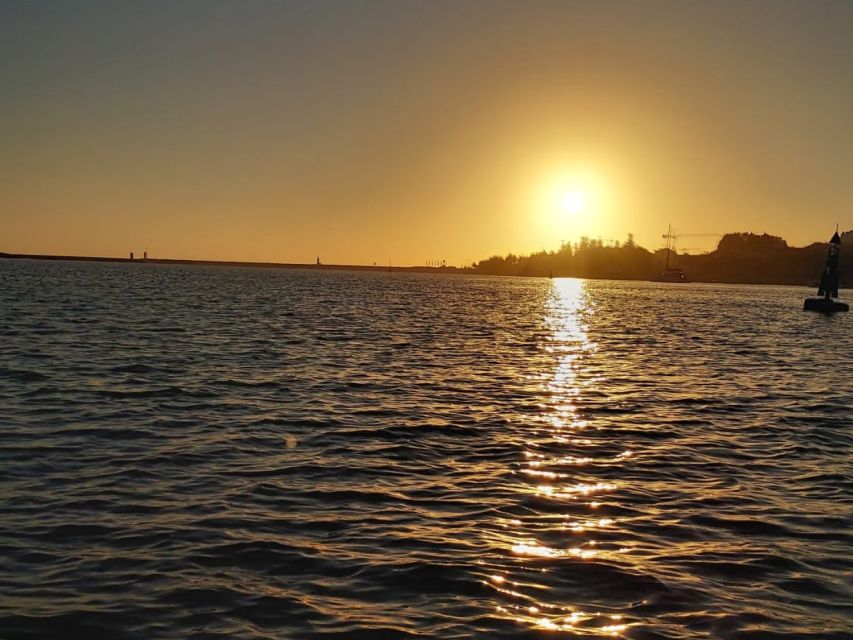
(828, 288)
(825, 306)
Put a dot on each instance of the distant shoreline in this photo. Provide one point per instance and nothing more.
(349, 267)
(230, 263)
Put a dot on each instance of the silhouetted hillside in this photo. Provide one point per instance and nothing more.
(745, 258)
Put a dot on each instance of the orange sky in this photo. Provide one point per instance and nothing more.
(415, 131)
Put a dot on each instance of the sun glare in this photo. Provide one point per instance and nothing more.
(567, 203)
(573, 201)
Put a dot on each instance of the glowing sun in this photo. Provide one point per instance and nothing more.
(573, 201)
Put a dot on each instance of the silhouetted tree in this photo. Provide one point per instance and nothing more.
(738, 258)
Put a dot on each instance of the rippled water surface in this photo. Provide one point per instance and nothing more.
(197, 452)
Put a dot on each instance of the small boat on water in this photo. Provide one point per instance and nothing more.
(670, 273)
(828, 287)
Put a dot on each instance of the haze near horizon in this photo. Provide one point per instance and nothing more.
(416, 131)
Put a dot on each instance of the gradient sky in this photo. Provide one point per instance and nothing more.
(411, 130)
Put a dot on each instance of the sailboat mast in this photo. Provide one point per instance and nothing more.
(668, 241)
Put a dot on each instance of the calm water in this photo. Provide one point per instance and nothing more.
(239, 453)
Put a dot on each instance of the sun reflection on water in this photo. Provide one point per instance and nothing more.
(559, 468)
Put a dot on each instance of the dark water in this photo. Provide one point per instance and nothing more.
(238, 453)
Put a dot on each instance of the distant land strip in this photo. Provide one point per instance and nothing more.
(229, 263)
(739, 258)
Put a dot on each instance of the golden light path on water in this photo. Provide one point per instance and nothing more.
(560, 483)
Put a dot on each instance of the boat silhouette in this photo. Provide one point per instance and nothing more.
(671, 273)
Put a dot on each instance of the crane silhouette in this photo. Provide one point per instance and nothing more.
(672, 238)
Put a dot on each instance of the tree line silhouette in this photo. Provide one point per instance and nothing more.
(743, 258)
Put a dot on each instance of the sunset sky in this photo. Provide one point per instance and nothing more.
(365, 131)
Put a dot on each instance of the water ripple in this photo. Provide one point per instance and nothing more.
(208, 452)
